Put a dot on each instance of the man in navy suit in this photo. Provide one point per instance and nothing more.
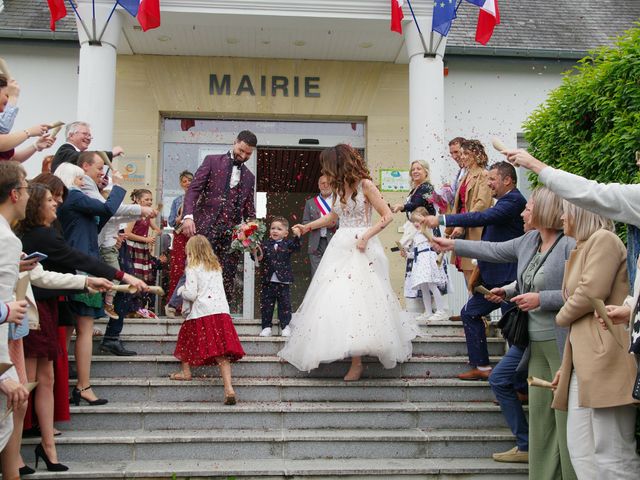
(277, 275)
(501, 222)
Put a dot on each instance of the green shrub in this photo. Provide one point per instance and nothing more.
(590, 125)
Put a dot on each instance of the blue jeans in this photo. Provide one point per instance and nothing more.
(115, 325)
(176, 300)
(474, 330)
(505, 381)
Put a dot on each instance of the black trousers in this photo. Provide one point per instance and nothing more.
(270, 294)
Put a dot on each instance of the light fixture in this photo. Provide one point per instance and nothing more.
(265, 42)
(299, 43)
(366, 45)
(164, 38)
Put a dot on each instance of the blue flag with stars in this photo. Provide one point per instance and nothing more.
(444, 11)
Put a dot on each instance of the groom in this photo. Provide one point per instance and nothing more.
(219, 198)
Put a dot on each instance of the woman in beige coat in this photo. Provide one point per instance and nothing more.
(596, 377)
(473, 195)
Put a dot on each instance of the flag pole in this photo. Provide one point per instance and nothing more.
(415, 20)
(93, 20)
(106, 24)
(84, 26)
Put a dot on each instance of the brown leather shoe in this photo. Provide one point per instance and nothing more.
(475, 374)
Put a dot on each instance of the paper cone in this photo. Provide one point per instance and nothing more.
(498, 145)
(538, 382)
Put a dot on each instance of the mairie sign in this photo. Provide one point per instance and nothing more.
(264, 86)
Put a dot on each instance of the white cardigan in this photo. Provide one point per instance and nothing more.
(205, 290)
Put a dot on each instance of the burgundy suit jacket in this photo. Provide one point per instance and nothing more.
(206, 198)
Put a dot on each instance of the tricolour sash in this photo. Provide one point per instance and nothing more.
(322, 205)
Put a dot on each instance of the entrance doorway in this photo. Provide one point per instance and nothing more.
(288, 177)
(286, 166)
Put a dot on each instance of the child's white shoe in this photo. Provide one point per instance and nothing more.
(286, 331)
(423, 317)
(439, 316)
(266, 332)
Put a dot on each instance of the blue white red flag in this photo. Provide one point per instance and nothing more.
(396, 15)
(58, 11)
(488, 18)
(130, 6)
(146, 11)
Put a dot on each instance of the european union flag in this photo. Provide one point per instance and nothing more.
(444, 11)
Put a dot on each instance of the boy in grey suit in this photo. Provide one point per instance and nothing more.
(315, 208)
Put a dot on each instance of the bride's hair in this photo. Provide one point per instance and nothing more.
(345, 168)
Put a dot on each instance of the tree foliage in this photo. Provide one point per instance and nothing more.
(590, 125)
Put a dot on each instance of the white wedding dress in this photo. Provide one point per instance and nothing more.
(350, 308)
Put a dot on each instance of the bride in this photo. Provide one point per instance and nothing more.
(350, 309)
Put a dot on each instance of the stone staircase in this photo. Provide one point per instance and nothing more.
(414, 421)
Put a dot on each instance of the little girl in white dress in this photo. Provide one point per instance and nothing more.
(426, 274)
(350, 309)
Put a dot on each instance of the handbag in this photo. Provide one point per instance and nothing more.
(636, 387)
(514, 322)
(514, 327)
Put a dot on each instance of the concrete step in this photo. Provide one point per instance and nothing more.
(280, 443)
(211, 415)
(270, 469)
(171, 326)
(255, 345)
(272, 366)
(273, 389)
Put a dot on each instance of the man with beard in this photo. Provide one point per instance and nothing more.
(219, 198)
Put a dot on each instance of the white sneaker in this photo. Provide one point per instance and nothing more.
(423, 317)
(286, 331)
(266, 332)
(439, 316)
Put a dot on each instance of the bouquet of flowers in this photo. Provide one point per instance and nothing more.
(443, 198)
(246, 237)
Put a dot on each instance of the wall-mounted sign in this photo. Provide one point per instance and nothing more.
(265, 86)
(395, 180)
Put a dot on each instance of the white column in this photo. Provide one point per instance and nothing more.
(97, 75)
(426, 101)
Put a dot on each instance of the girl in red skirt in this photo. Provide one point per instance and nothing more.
(207, 336)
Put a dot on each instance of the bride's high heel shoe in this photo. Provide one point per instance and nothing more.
(354, 373)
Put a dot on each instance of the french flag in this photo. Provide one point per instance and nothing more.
(58, 12)
(146, 11)
(488, 18)
(396, 15)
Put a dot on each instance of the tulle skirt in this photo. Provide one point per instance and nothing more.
(202, 339)
(349, 309)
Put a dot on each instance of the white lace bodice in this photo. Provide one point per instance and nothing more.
(356, 213)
